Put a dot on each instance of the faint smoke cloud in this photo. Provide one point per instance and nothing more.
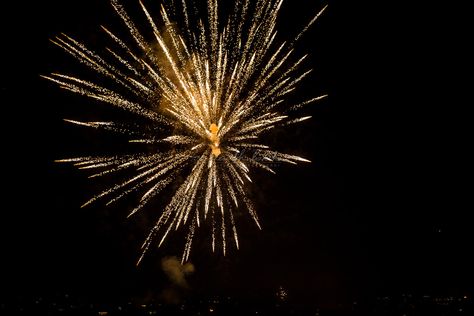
(176, 271)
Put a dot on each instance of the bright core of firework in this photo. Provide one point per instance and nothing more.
(201, 92)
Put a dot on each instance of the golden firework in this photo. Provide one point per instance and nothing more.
(209, 89)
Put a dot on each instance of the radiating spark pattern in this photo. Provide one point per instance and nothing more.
(210, 88)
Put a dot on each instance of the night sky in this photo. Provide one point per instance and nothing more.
(382, 209)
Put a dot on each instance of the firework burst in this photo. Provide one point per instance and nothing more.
(209, 89)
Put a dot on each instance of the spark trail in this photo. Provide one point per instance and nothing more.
(210, 88)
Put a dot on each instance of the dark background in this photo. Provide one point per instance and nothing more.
(382, 209)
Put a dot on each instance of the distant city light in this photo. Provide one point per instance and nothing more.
(282, 294)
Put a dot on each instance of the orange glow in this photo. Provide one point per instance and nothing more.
(214, 138)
